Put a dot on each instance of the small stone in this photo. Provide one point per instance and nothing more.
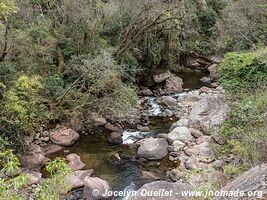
(146, 92)
(217, 164)
(178, 145)
(33, 177)
(175, 175)
(45, 139)
(149, 176)
(195, 132)
(218, 138)
(205, 80)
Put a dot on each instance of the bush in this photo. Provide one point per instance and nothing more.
(12, 187)
(242, 71)
(52, 187)
(23, 106)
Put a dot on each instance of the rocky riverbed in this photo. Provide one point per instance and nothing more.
(165, 143)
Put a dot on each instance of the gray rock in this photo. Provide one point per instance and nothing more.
(174, 84)
(146, 92)
(153, 148)
(214, 72)
(159, 78)
(178, 145)
(251, 181)
(168, 101)
(33, 177)
(33, 158)
(205, 80)
(64, 137)
(195, 132)
(175, 175)
(95, 184)
(114, 127)
(165, 187)
(115, 138)
(202, 152)
(82, 174)
(209, 112)
(218, 138)
(149, 176)
(183, 122)
(75, 162)
(99, 121)
(51, 148)
(74, 182)
(180, 133)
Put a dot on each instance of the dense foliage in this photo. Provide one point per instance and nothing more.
(245, 132)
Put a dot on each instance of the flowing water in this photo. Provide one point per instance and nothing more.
(125, 173)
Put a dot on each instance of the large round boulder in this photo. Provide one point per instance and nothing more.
(162, 190)
(251, 182)
(159, 78)
(209, 112)
(115, 138)
(153, 148)
(64, 137)
(180, 133)
(95, 188)
(174, 84)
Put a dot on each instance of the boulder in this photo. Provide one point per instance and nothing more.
(75, 162)
(149, 176)
(159, 78)
(143, 128)
(153, 148)
(51, 148)
(33, 158)
(115, 138)
(146, 92)
(205, 90)
(165, 187)
(98, 121)
(214, 72)
(180, 133)
(74, 182)
(178, 145)
(205, 80)
(95, 184)
(168, 101)
(33, 177)
(175, 174)
(195, 132)
(202, 152)
(252, 181)
(64, 137)
(174, 84)
(82, 174)
(114, 127)
(183, 122)
(218, 138)
(209, 112)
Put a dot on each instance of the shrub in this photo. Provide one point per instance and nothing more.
(10, 188)
(52, 187)
(23, 106)
(242, 71)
